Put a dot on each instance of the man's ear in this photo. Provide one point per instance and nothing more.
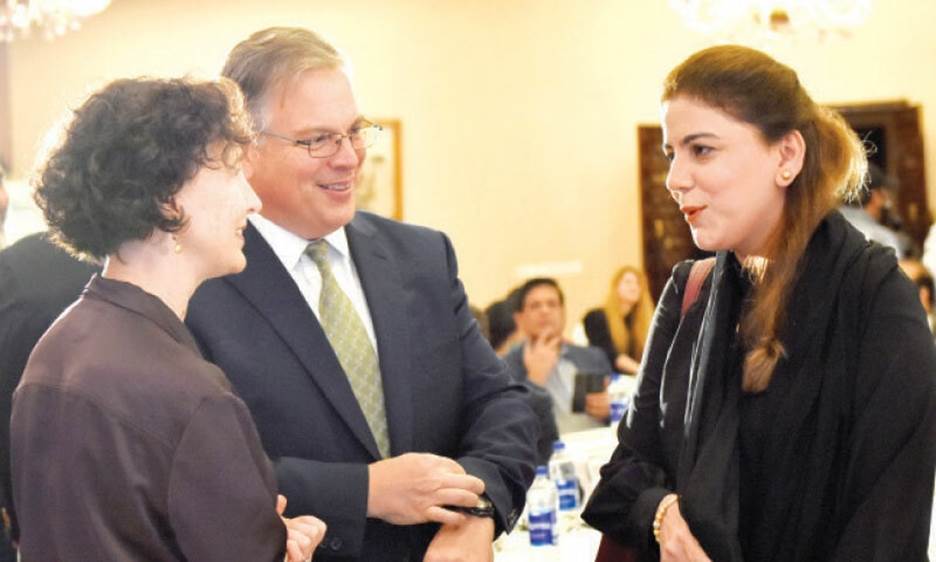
(247, 163)
(792, 149)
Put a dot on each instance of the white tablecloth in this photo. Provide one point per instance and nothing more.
(579, 544)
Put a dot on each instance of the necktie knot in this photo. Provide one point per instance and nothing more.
(318, 253)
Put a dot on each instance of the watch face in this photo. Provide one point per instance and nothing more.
(484, 508)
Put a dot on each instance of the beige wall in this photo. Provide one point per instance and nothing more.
(519, 116)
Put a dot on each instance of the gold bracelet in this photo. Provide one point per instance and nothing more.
(661, 513)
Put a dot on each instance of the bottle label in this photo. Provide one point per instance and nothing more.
(542, 528)
(568, 494)
(618, 409)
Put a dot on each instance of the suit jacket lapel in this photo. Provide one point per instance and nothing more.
(386, 300)
(267, 285)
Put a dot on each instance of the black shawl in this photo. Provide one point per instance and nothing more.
(850, 454)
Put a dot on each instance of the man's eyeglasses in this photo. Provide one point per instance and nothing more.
(324, 145)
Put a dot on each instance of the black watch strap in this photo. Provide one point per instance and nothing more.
(484, 508)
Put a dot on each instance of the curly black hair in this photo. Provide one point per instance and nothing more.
(128, 150)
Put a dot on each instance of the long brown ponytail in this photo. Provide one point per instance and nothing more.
(756, 89)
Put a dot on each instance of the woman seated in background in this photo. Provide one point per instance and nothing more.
(126, 444)
(620, 328)
(790, 413)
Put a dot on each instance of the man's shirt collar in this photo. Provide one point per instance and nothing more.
(289, 247)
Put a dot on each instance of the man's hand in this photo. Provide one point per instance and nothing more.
(412, 488)
(626, 364)
(677, 543)
(598, 405)
(470, 541)
(540, 356)
(303, 533)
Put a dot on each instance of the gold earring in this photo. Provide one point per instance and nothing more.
(178, 245)
(786, 174)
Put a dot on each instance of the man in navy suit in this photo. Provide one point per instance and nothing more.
(439, 462)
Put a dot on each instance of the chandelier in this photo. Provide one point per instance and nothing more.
(732, 18)
(52, 18)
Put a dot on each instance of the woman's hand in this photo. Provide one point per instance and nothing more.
(303, 533)
(677, 543)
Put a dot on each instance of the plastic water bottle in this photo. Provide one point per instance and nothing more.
(541, 511)
(562, 472)
(618, 397)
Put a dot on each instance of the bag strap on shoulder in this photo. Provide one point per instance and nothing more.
(697, 275)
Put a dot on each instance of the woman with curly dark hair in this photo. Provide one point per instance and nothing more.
(786, 405)
(126, 444)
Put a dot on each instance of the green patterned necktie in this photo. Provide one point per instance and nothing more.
(349, 339)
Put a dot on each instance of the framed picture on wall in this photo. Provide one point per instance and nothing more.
(380, 188)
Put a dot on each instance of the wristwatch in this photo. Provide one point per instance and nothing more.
(484, 508)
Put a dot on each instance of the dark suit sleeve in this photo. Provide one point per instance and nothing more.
(222, 490)
(540, 401)
(37, 282)
(498, 428)
(13, 354)
(23, 320)
(633, 481)
(888, 485)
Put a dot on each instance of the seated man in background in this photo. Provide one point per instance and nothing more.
(547, 364)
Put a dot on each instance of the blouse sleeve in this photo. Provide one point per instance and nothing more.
(633, 482)
(887, 493)
(599, 334)
(222, 491)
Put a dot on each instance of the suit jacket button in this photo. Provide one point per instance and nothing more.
(336, 543)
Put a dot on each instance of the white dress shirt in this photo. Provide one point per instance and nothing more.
(872, 230)
(290, 249)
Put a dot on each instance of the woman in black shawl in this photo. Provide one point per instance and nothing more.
(788, 413)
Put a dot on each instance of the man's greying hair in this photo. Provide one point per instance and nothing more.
(273, 56)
